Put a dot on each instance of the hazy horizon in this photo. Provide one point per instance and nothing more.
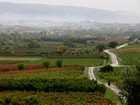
(112, 5)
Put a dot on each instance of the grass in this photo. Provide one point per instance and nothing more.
(79, 61)
(113, 97)
(68, 61)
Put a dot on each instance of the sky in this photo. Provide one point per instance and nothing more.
(115, 5)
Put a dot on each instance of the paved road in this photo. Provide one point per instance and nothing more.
(113, 58)
(126, 44)
(114, 64)
(90, 73)
(92, 77)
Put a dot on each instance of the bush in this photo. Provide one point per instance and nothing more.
(51, 85)
(106, 68)
(21, 67)
(46, 64)
(59, 63)
(27, 100)
(112, 44)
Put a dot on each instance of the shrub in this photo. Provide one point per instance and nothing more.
(112, 44)
(51, 85)
(46, 64)
(106, 68)
(31, 100)
(21, 67)
(59, 63)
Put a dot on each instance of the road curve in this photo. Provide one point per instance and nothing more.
(90, 73)
(92, 77)
(114, 64)
(113, 58)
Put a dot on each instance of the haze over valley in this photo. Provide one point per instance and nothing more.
(39, 14)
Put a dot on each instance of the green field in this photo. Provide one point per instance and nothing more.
(129, 55)
(80, 61)
(116, 77)
(35, 60)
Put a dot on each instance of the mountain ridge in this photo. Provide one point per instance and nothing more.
(18, 12)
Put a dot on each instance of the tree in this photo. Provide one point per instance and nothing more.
(62, 49)
(106, 68)
(46, 64)
(112, 44)
(100, 47)
(33, 44)
(68, 43)
(131, 86)
(1, 44)
(59, 63)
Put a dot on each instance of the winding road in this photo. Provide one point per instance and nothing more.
(114, 64)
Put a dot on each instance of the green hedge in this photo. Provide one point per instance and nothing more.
(51, 85)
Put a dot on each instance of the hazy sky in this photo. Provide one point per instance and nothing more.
(125, 5)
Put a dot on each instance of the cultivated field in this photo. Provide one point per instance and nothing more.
(116, 76)
(67, 85)
(129, 55)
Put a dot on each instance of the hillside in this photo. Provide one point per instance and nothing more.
(40, 12)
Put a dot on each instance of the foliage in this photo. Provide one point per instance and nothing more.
(33, 44)
(112, 44)
(59, 63)
(133, 37)
(51, 85)
(46, 64)
(115, 77)
(55, 98)
(100, 47)
(68, 43)
(21, 67)
(131, 86)
(26, 100)
(106, 68)
(62, 49)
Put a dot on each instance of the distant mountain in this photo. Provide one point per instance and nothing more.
(39, 12)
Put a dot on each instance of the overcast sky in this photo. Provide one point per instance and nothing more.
(117, 5)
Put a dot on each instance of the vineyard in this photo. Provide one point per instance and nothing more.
(54, 98)
(66, 85)
(116, 76)
(72, 72)
(128, 56)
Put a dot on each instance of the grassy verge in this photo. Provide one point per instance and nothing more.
(113, 97)
(109, 94)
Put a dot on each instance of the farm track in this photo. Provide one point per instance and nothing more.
(114, 64)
